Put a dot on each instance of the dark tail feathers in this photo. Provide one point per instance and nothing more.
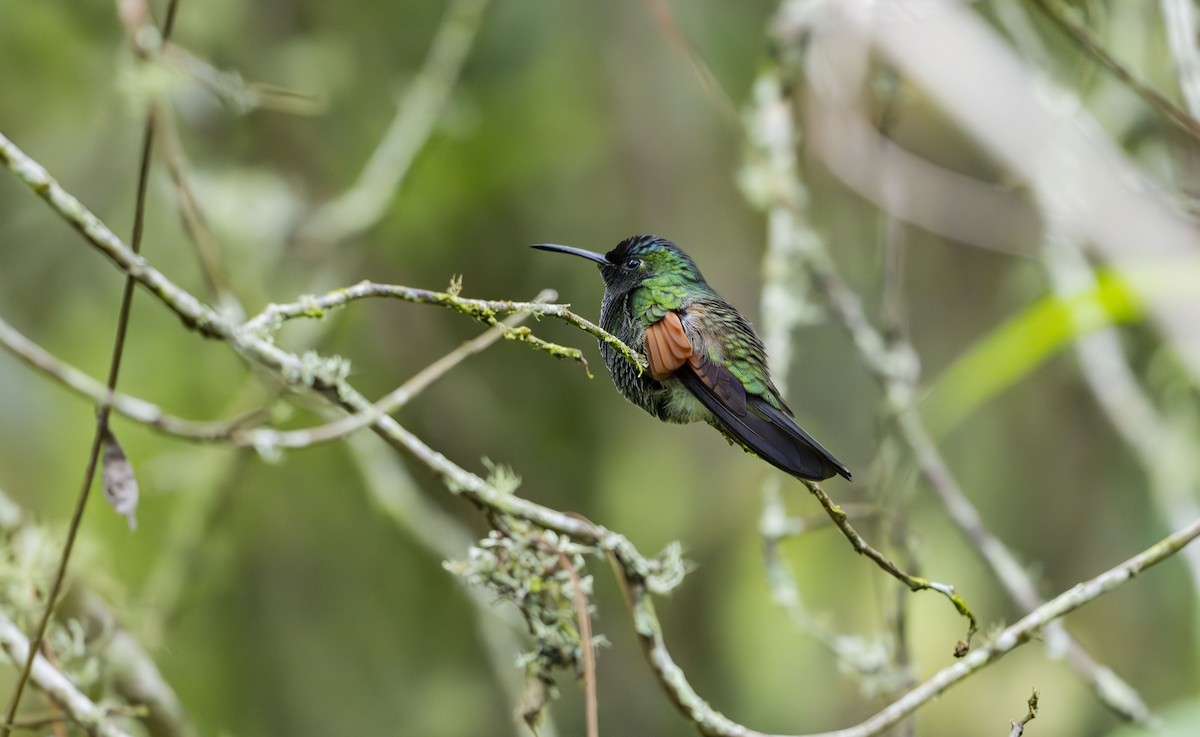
(770, 433)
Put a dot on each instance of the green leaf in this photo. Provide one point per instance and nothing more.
(1012, 350)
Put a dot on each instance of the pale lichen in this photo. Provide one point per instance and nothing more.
(537, 570)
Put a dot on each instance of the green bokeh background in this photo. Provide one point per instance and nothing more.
(306, 611)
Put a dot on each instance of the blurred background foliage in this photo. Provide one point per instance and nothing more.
(277, 598)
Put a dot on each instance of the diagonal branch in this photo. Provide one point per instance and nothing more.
(715, 724)
(1094, 48)
(82, 710)
(894, 365)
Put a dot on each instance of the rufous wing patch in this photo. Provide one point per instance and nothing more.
(667, 346)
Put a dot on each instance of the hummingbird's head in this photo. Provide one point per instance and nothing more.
(636, 260)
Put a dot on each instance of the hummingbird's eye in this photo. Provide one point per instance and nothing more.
(633, 264)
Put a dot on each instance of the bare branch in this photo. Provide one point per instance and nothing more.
(914, 583)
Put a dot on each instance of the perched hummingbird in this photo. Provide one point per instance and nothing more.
(705, 360)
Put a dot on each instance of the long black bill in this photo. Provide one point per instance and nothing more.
(589, 255)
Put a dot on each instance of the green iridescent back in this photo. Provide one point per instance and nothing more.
(670, 281)
(730, 341)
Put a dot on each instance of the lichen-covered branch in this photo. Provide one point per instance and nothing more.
(914, 583)
(711, 722)
(895, 366)
(394, 399)
(773, 182)
(189, 309)
(51, 681)
(484, 310)
(132, 408)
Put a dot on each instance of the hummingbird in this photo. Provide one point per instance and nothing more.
(705, 362)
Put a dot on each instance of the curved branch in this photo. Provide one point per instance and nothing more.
(484, 310)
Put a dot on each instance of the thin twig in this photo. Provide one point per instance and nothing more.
(101, 430)
(208, 252)
(586, 645)
(1095, 49)
(788, 527)
(1017, 728)
(867, 658)
(237, 93)
(660, 10)
(914, 583)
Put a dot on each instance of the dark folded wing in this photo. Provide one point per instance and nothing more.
(770, 432)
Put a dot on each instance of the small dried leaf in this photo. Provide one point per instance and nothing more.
(120, 485)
